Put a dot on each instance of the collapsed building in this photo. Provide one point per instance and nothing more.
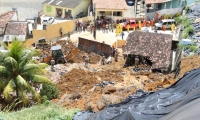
(152, 48)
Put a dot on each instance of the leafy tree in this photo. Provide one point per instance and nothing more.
(18, 74)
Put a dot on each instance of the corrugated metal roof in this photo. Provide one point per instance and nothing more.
(63, 3)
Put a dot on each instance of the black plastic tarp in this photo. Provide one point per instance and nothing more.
(154, 105)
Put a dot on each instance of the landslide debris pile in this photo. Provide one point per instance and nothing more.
(80, 80)
(83, 89)
(188, 64)
(68, 46)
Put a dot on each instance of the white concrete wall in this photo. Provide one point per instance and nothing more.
(14, 17)
(130, 12)
(11, 37)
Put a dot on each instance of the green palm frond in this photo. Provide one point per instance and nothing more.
(43, 65)
(3, 83)
(27, 56)
(40, 79)
(4, 45)
(10, 87)
(23, 85)
(36, 96)
(10, 63)
(31, 69)
(23, 95)
(3, 70)
(16, 49)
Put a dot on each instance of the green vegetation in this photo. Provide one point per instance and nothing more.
(191, 47)
(178, 20)
(187, 8)
(185, 21)
(49, 92)
(187, 31)
(18, 74)
(46, 111)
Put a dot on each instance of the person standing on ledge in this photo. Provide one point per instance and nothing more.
(61, 32)
(52, 64)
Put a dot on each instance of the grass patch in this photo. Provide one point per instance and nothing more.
(46, 111)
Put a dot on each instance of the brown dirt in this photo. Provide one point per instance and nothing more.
(67, 46)
(188, 64)
(78, 90)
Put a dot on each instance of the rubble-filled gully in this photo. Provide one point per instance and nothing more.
(101, 85)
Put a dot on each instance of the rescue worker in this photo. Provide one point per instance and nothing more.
(107, 28)
(68, 36)
(103, 60)
(61, 32)
(136, 61)
(86, 59)
(128, 27)
(173, 28)
(139, 25)
(52, 64)
(116, 55)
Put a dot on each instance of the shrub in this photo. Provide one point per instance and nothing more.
(193, 48)
(49, 91)
(185, 34)
(178, 20)
(187, 8)
(186, 22)
(190, 29)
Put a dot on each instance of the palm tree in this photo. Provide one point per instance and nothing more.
(17, 73)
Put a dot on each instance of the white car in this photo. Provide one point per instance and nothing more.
(48, 21)
(167, 23)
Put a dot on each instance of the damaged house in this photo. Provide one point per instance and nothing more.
(154, 48)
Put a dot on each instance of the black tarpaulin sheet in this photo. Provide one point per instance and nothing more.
(154, 105)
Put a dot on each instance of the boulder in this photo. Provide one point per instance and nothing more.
(75, 96)
(109, 89)
(101, 105)
(111, 99)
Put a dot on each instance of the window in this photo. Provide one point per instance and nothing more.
(117, 13)
(171, 4)
(169, 23)
(165, 23)
(179, 2)
(159, 6)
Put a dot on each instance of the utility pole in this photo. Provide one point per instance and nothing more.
(94, 10)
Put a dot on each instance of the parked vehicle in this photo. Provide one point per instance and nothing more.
(133, 24)
(166, 23)
(48, 21)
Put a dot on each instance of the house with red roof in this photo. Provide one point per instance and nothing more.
(5, 18)
(16, 30)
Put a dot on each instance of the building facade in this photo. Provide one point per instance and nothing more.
(162, 7)
(66, 9)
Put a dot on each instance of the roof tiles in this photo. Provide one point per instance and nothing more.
(6, 17)
(154, 45)
(16, 28)
(111, 4)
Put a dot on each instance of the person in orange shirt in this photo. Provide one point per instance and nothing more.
(152, 22)
(157, 15)
(144, 22)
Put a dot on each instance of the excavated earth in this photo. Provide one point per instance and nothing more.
(101, 85)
